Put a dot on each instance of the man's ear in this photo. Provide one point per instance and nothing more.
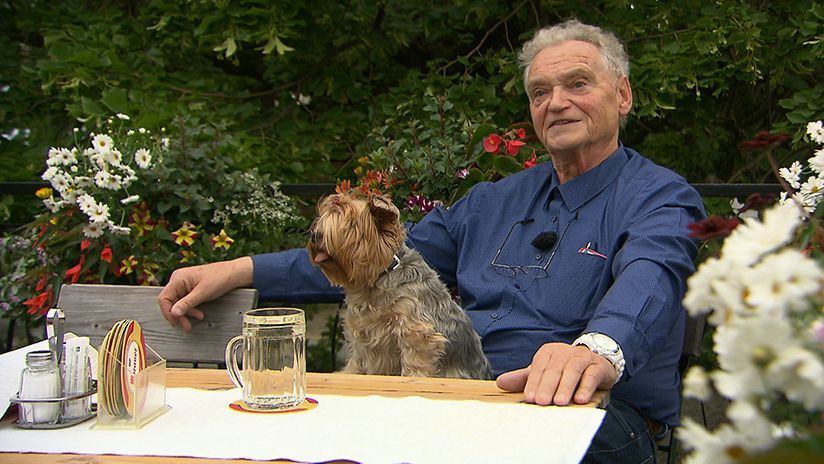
(382, 211)
(624, 92)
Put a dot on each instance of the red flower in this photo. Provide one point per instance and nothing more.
(520, 133)
(712, 227)
(106, 254)
(85, 244)
(492, 143)
(531, 162)
(764, 140)
(513, 147)
(73, 274)
(41, 284)
(40, 303)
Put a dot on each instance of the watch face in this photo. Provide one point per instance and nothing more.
(605, 342)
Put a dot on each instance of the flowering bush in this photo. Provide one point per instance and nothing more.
(423, 162)
(764, 295)
(129, 206)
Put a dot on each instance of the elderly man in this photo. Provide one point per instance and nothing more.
(576, 285)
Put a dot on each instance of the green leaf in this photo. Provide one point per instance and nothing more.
(506, 165)
(116, 100)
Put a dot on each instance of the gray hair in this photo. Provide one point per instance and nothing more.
(612, 50)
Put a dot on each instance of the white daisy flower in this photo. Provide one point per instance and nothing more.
(143, 158)
(142, 130)
(130, 199)
(118, 230)
(752, 238)
(792, 174)
(164, 143)
(51, 205)
(49, 173)
(122, 116)
(102, 179)
(697, 384)
(102, 143)
(86, 203)
(99, 213)
(93, 230)
(113, 157)
(812, 187)
(61, 182)
(782, 281)
(817, 162)
(816, 131)
(799, 373)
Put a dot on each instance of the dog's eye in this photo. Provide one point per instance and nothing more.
(316, 237)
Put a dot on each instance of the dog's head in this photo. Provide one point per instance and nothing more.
(354, 238)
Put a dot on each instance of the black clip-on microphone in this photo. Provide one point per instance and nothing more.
(544, 241)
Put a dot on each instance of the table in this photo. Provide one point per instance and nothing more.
(317, 384)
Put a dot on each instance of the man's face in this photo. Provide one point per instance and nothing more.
(575, 101)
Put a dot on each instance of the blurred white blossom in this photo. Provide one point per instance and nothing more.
(764, 296)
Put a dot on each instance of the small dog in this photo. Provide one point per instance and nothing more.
(400, 317)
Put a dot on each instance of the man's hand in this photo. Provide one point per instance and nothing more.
(189, 287)
(560, 373)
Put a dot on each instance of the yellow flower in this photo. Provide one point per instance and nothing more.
(186, 235)
(43, 193)
(186, 255)
(128, 265)
(222, 240)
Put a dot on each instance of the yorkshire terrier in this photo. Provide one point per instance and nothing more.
(400, 318)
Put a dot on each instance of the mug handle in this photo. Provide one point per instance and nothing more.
(231, 360)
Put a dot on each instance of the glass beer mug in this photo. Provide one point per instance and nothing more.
(273, 373)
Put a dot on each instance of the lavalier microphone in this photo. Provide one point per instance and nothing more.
(544, 241)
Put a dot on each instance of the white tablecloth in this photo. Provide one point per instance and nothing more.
(364, 429)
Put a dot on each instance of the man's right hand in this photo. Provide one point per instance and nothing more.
(190, 286)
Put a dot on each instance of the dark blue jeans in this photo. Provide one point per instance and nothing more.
(622, 438)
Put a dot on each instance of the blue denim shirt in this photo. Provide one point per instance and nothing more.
(618, 266)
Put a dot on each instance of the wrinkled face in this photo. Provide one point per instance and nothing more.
(575, 101)
(354, 238)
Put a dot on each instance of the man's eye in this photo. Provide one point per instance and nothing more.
(538, 93)
(579, 84)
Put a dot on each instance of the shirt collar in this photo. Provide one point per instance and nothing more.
(585, 187)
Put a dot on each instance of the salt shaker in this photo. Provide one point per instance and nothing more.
(40, 380)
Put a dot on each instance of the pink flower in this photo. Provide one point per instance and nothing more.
(461, 174)
(520, 133)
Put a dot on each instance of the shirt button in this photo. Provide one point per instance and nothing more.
(494, 315)
(537, 257)
(518, 286)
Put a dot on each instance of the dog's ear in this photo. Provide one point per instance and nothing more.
(382, 211)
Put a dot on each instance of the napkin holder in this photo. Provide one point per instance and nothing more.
(70, 408)
(146, 401)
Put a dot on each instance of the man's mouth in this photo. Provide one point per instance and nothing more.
(562, 122)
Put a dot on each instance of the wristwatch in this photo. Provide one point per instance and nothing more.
(605, 346)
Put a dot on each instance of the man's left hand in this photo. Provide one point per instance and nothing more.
(560, 373)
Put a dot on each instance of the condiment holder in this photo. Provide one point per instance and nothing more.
(56, 387)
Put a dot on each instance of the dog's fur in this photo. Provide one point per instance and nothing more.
(400, 318)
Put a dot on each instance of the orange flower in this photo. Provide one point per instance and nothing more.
(40, 303)
(343, 187)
